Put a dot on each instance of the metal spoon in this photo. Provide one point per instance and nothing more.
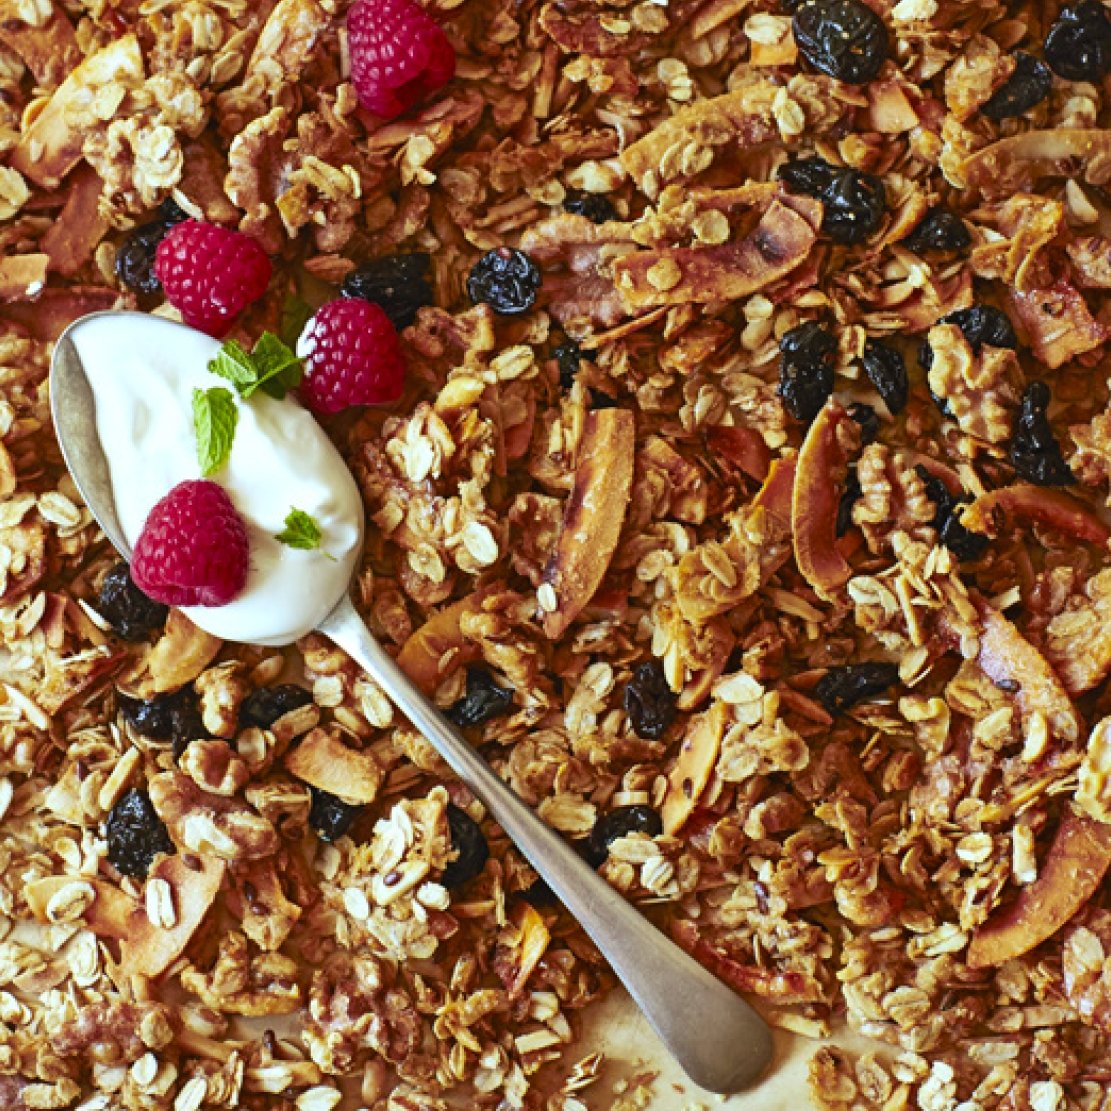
(718, 1039)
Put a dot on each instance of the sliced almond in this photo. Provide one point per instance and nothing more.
(183, 651)
(593, 517)
(698, 756)
(1004, 510)
(427, 649)
(323, 761)
(815, 498)
(532, 942)
(1069, 876)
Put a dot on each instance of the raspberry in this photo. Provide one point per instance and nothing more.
(193, 550)
(211, 274)
(399, 55)
(352, 357)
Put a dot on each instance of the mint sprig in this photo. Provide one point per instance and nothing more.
(214, 419)
(271, 367)
(302, 530)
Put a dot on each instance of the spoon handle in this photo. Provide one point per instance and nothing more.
(719, 1040)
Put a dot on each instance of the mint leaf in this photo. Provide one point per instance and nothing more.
(295, 315)
(277, 367)
(271, 367)
(234, 364)
(214, 419)
(301, 530)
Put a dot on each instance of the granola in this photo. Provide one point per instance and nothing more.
(560, 497)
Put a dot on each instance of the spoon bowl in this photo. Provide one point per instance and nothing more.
(715, 1036)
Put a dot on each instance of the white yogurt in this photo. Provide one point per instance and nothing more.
(143, 370)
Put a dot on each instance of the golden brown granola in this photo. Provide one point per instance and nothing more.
(924, 858)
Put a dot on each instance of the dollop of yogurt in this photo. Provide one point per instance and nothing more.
(143, 370)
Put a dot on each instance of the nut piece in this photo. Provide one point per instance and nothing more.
(698, 755)
(183, 651)
(593, 517)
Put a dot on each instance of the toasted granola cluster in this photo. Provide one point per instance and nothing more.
(809, 648)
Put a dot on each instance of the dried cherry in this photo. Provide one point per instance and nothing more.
(843, 687)
(505, 279)
(1035, 454)
(806, 369)
(649, 701)
(126, 608)
(135, 834)
(396, 283)
(596, 208)
(1078, 45)
(330, 816)
(940, 229)
(470, 846)
(483, 702)
(887, 371)
(1027, 86)
(963, 542)
(842, 38)
(617, 823)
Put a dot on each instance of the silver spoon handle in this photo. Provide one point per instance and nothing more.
(719, 1040)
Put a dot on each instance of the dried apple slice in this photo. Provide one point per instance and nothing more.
(776, 494)
(421, 654)
(148, 950)
(1014, 164)
(145, 949)
(823, 463)
(71, 240)
(51, 145)
(778, 244)
(593, 517)
(767, 983)
(1010, 661)
(742, 447)
(1069, 876)
(1002, 510)
(325, 762)
(698, 756)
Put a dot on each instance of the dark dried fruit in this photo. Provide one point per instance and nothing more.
(853, 202)
(979, 324)
(396, 283)
(806, 369)
(843, 687)
(939, 230)
(597, 209)
(568, 357)
(1035, 454)
(809, 176)
(599, 399)
(849, 498)
(166, 717)
(126, 608)
(505, 279)
(135, 255)
(962, 542)
(1078, 46)
(264, 706)
(618, 823)
(842, 38)
(1027, 86)
(135, 835)
(649, 701)
(869, 422)
(854, 206)
(483, 702)
(887, 371)
(330, 816)
(469, 844)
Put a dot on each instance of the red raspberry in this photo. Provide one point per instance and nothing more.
(399, 54)
(193, 550)
(352, 357)
(211, 274)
